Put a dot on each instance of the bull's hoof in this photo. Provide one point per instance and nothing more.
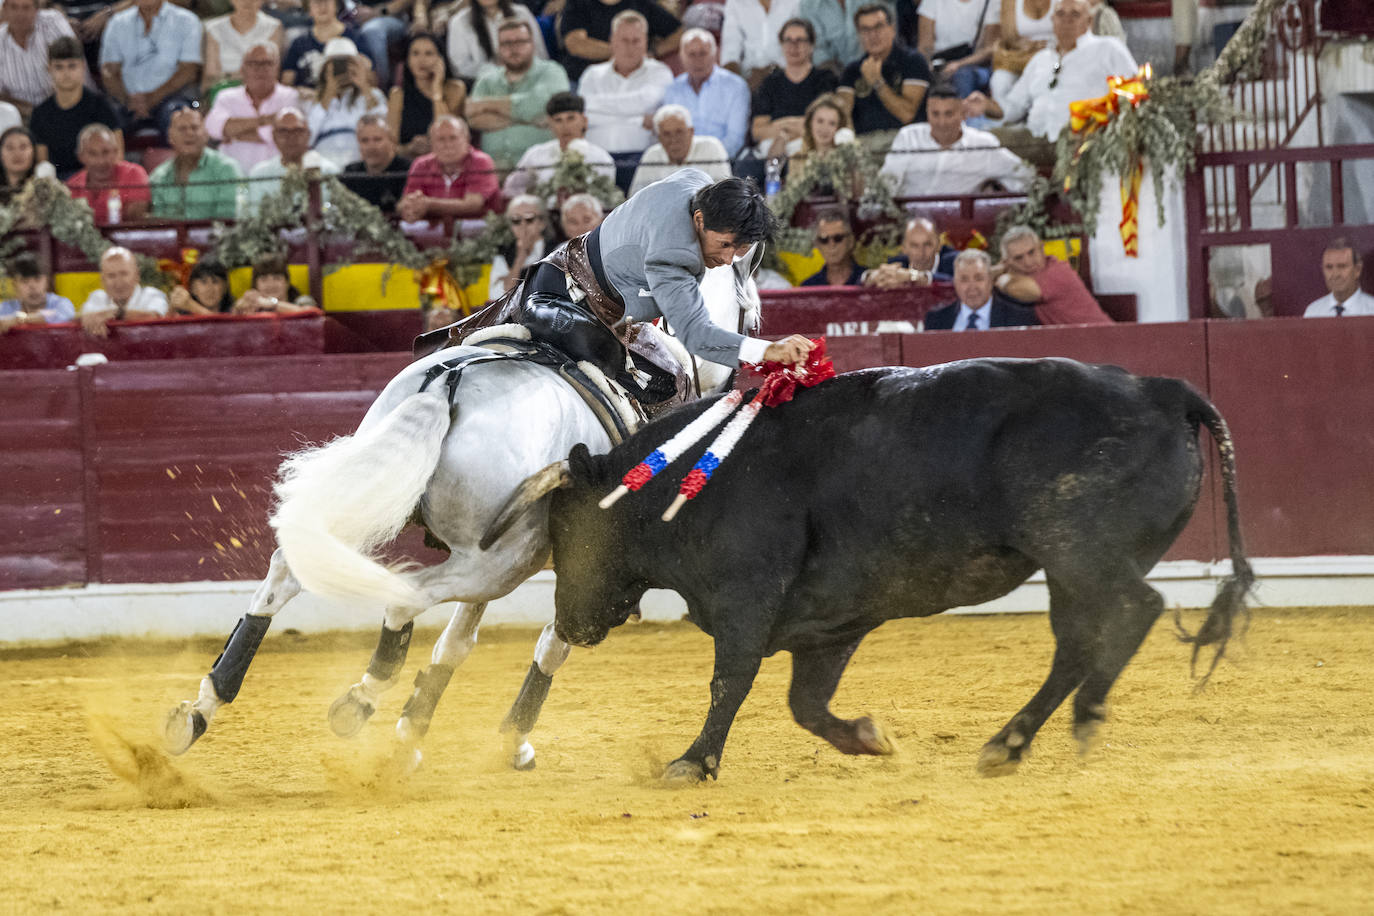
(183, 727)
(683, 772)
(1086, 735)
(523, 757)
(350, 712)
(1000, 758)
(871, 738)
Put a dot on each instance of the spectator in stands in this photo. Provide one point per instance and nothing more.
(569, 123)
(529, 223)
(150, 60)
(781, 101)
(622, 94)
(380, 176)
(1341, 269)
(472, 39)
(301, 63)
(58, 119)
(206, 291)
(837, 42)
(835, 239)
(507, 102)
(34, 303)
(9, 116)
(1106, 22)
(345, 95)
(380, 24)
(824, 127)
(944, 156)
(120, 297)
(749, 42)
(976, 308)
(580, 214)
(241, 119)
(586, 30)
(272, 290)
(1030, 276)
(291, 136)
(717, 98)
(678, 146)
(426, 92)
(107, 179)
(454, 180)
(228, 39)
(886, 88)
(18, 161)
(922, 261)
(1026, 27)
(1075, 67)
(957, 37)
(25, 36)
(198, 182)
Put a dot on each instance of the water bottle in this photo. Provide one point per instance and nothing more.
(114, 208)
(772, 177)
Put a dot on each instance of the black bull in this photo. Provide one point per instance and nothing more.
(895, 493)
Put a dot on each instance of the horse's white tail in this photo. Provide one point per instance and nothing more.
(340, 502)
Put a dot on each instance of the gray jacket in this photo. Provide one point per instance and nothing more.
(651, 255)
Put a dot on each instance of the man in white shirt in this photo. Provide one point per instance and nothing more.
(944, 156)
(569, 125)
(1075, 66)
(622, 93)
(678, 146)
(24, 38)
(120, 296)
(1341, 268)
(291, 135)
(749, 36)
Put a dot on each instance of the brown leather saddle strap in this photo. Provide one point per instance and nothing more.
(574, 260)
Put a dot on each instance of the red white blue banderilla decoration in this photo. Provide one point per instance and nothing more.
(779, 385)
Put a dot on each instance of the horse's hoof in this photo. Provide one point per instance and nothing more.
(683, 772)
(523, 758)
(350, 712)
(998, 759)
(183, 726)
(872, 738)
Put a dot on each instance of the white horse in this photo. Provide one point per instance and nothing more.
(452, 455)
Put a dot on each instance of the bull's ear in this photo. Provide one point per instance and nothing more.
(584, 466)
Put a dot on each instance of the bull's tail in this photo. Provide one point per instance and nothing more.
(340, 502)
(1216, 630)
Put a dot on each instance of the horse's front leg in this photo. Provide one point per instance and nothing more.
(189, 719)
(451, 650)
(549, 655)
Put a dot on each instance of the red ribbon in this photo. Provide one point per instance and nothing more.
(781, 380)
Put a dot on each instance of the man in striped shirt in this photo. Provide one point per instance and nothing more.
(24, 40)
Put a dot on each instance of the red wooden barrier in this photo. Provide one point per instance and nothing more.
(842, 311)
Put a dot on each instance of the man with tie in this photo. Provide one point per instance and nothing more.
(1341, 267)
(976, 309)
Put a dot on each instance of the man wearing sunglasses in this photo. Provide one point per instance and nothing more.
(835, 239)
(1075, 67)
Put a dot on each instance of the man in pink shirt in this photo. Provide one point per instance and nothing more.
(241, 118)
(105, 175)
(1053, 287)
(453, 180)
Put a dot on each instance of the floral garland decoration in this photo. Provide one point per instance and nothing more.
(844, 168)
(574, 175)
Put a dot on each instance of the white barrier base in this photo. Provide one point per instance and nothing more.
(211, 608)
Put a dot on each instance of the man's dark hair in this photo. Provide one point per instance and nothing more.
(735, 205)
(802, 23)
(831, 214)
(65, 48)
(560, 102)
(942, 90)
(1341, 243)
(26, 265)
(869, 8)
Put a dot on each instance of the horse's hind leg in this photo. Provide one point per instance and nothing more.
(350, 712)
(189, 719)
(549, 654)
(451, 650)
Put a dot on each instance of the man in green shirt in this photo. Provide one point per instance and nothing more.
(507, 102)
(197, 183)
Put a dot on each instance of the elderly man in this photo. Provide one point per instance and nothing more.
(117, 191)
(1074, 66)
(886, 88)
(976, 308)
(1030, 276)
(241, 118)
(150, 59)
(569, 123)
(380, 177)
(58, 120)
(922, 260)
(120, 296)
(453, 180)
(717, 98)
(291, 135)
(580, 214)
(507, 102)
(945, 157)
(586, 27)
(678, 146)
(196, 183)
(622, 94)
(835, 239)
(24, 39)
(1341, 268)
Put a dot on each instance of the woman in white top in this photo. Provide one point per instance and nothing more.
(472, 34)
(228, 38)
(345, 95)
(1027, 26)
(529, 222)
(957, 38)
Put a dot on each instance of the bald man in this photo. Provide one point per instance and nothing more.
(120, 296)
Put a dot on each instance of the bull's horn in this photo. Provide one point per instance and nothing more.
(532, 489)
